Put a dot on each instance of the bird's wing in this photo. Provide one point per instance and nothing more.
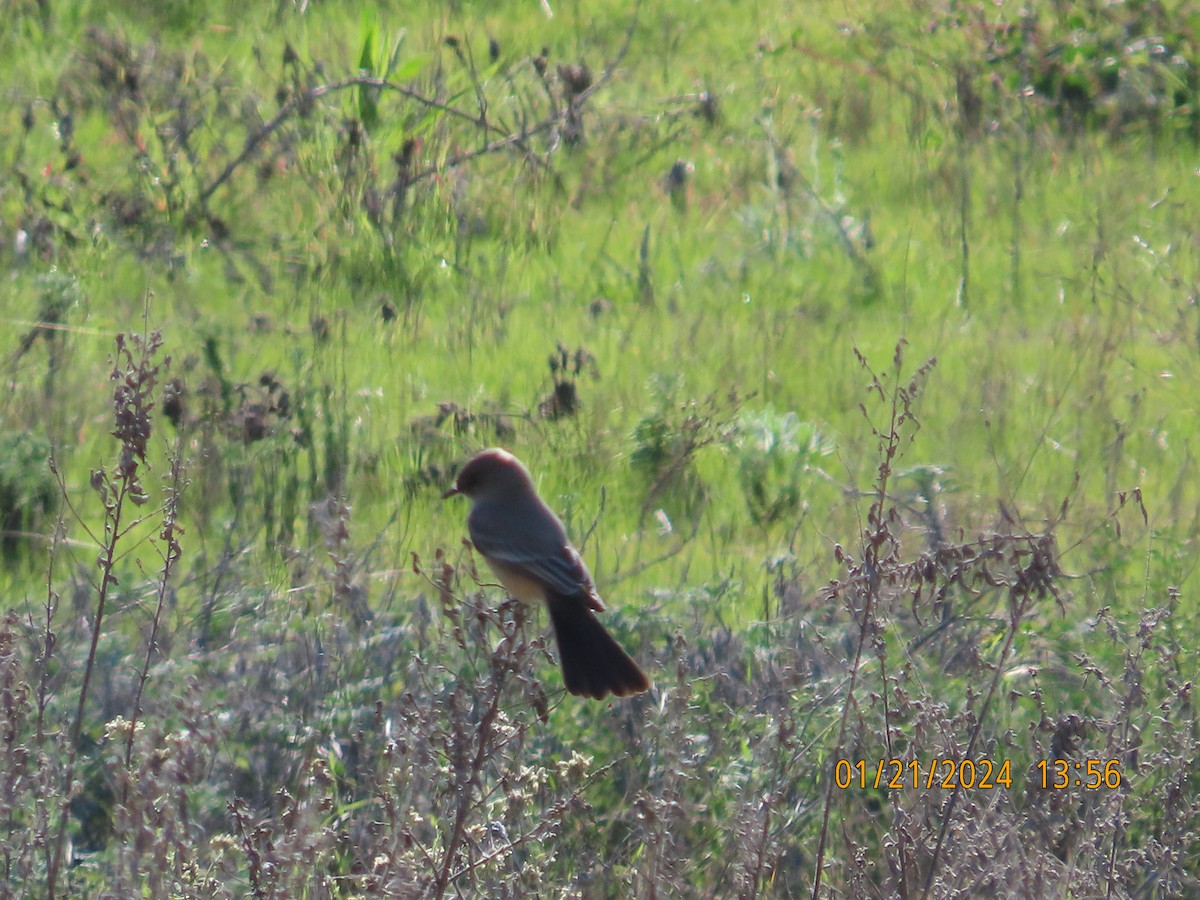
(534, 547)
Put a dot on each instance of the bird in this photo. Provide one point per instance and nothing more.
(526, 545)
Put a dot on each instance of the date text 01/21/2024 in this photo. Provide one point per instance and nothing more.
(982, 774)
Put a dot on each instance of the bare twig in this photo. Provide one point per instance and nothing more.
(169, 534)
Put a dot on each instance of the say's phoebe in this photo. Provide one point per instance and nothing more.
(526, 545)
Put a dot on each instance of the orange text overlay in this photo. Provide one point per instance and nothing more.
(893, 774)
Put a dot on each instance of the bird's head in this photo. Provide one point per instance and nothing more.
(493, 471)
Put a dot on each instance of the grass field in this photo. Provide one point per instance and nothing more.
(857, 345)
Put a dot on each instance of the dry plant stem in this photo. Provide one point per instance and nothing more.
(293, 106)
(519, 138)
(112, 532)
(48, 641)
(168, 533)
(553, 816)
(48, 636)
(783, 742)
(876, 517)
(868, 609)
(1020, 606)
(254, 861)
(877, 537)
(1133, 663)
(483, 735)
(467, 60)
(134, 379)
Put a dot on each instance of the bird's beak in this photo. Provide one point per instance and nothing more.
(450, 493)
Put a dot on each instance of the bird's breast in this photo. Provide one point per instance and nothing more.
(517, 583)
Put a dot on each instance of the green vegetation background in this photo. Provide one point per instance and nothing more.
(687, 261)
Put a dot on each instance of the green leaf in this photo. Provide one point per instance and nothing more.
(412, 67)
(368, 97)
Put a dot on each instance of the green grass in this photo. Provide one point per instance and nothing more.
(1062, 402)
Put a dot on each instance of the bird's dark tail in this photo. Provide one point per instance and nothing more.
(593, 663)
